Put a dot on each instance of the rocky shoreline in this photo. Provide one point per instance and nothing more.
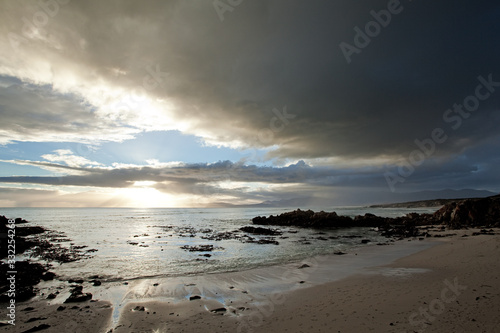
(40, 248)
(481, 212)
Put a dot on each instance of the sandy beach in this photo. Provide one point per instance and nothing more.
(448, 284)
(450, 287)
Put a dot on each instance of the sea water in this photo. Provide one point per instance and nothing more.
(135, 243)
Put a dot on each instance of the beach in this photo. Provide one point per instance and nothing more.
(444, 284)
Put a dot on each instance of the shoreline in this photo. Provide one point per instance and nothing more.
(230, 290)
(248, 297)
(393, 297)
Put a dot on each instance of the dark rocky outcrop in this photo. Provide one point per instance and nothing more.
(471, 213)
(305, 218)
(37, 242)
(20, 233)
(310, 219)
(41, 242)
(28, 275)
(261, 231)
(481, 212)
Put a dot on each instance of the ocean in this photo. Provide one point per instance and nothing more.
(135, 243)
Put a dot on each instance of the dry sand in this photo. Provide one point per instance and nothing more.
(451, 287)
(459, 293)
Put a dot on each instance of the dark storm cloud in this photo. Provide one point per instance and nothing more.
(226, 77)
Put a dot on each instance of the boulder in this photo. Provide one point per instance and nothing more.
(261, 231)
(78, 297)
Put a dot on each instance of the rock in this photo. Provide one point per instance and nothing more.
(139, 308)
(28, 275)
(77, 289)
(200, 248)
(304, 266)
(192, 298)
(261, 231)
(77, 295)
(20, 220)
(27, 231)
(61, 308)
(307, 218)
(268, 241)
(77, 281)
(365, 241)
(470, 213)
(37, 328)
(339, 253)
(48, 276)
(218, 310)
(459, 214)
(51, 296)
(96, 283)
(74, 298)
(35, 319)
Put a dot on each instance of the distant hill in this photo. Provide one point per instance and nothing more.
(383, 199)
(433, 198)
(425, 203)
(418, 204)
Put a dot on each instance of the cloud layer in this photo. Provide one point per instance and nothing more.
(142, 67)
(269, 74)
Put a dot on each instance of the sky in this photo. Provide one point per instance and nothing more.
(204, 103)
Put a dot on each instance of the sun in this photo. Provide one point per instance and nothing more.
(143, 195)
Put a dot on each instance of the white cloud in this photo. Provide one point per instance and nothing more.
(69, 158)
